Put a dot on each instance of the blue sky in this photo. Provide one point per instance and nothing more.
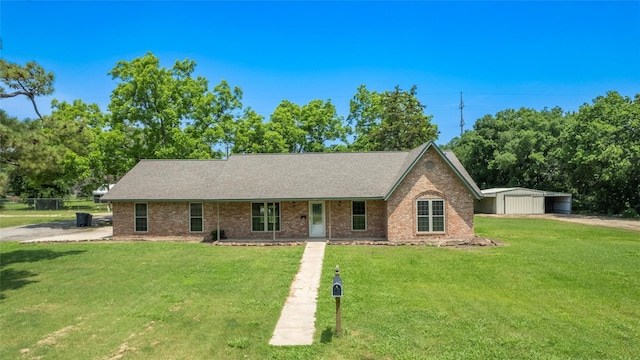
(501, 55)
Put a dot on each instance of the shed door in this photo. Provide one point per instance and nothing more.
(316, 218)
(523, 204)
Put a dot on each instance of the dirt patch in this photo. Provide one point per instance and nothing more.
(607, 221)
(119, 354)
(51, 339)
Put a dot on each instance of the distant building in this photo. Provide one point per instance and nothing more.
(97, 194)
(522, 201)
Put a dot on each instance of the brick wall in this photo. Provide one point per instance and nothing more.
(235, 220)
(339, 219)
(437, 182)
(171, 219)
(165, 219)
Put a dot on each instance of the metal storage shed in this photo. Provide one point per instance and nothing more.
(522, 201)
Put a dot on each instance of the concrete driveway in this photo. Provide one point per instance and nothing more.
(60, 231)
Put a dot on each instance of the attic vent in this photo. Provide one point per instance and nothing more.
(430, 165)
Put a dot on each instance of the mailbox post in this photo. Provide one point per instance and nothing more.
(336, 292)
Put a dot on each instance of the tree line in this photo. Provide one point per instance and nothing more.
(169, 113)
(593, 153)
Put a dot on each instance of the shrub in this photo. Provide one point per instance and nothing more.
(630, 213)
(214, 235)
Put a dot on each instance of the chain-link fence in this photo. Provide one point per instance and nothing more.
(18, 204)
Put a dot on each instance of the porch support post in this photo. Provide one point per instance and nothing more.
(218, 224)
(329, 217)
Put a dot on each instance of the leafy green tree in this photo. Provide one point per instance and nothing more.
(286, 121)
(296, 129)
(253, 135)
(600, 153)
(215, 119)
(392, 120)
(12, 139)
(30, 80)
(152, 104)
(167, 113)
(593, 153)
(513, 148)
(291, 129)
(320, 124)
(50, 156)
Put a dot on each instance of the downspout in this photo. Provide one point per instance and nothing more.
(218, 224)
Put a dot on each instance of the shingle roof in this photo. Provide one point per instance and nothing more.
(462, 172)
(274, 176)
(493, 191)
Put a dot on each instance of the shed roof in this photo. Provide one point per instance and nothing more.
(494, 191)
(243, 177)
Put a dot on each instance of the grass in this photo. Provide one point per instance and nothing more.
(20, 221)
(556, 291)
(142, 300)
(18, 214)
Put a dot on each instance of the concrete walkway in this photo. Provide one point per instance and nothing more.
(297, 320)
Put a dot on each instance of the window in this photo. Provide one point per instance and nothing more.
(264, 216)
(195, 216)
(358, 215)
(141, 217)
(430, 214)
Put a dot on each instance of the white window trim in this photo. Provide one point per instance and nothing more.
(365, 216)
(135, 217)
(200, 217)
(430, 216)
(266, 216)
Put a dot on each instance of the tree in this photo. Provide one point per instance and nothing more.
(12, 137)
(392, 120)
(320, 123)
(167, 113)
(31, 81)
(216, 119)
(153, 104)
(513, 148)
(600, 154)
(47, 156)
(253, 135)
(286, 121)
(593, 153)
(50, 155)
(309, 128)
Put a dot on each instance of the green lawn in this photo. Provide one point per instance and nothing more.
(18, 214)
(555, 291)
(21, 220)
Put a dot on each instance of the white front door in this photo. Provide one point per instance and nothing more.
(316, 218)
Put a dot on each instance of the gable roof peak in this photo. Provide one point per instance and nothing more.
(449, 158)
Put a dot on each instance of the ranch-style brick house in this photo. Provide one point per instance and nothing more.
(420, 195)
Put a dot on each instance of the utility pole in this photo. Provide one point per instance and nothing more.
(461, 117)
